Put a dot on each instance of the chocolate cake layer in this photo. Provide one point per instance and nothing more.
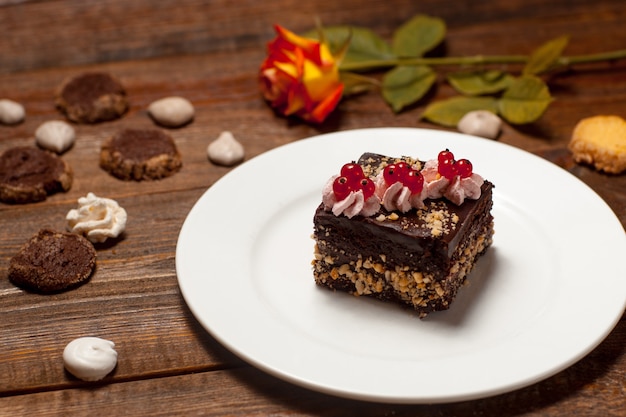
(419, 258)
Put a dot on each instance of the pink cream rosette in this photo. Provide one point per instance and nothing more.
(456, 191)
(354, 204)
(397, 196)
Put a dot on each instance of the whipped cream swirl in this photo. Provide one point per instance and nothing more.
(397, 196)
(90, 358)
(354, 204)
(456, 191)
(97, 218)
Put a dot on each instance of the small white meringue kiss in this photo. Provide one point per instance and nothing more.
(11, 112)
(55, 135)
(480, 123)
(90, 358)
(172, 111)
(225, 150)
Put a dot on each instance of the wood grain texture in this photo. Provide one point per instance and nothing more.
(209, 52)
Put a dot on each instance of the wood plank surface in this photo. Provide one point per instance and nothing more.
(209, 52)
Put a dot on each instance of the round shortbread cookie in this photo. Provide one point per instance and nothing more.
(53, 261)
(92, 97)
(600, 141)
(134, 154)
(29, 174)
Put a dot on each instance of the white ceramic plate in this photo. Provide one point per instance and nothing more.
(545, 294)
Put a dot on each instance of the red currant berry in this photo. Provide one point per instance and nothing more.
(445, 156)
(403, 168)
(341, 188)
(447, 169)
(414, 180)
(392, 174)
(352, 171)
(368, 187)
(464, 168)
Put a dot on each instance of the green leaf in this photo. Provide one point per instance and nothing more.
(365, 45)
(449, 112)
(525, 100)
(417, 36)
(475, 83)
(545, 57)
(405, 85)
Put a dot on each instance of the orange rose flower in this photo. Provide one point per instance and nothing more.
(300, 77)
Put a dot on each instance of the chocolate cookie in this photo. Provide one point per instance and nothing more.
(133, 154)
(53, 261)
(29, 174)
(92, 97)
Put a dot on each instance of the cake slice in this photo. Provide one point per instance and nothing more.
(416, 256)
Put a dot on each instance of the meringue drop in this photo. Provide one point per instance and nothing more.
(480, 123)
(90, 358)
(225, 150)
(55, 135)
(11, 112)
(172, 111)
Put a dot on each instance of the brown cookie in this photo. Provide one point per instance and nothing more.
(133, 154)
(53, 261)
(29, 174)
(92, 97)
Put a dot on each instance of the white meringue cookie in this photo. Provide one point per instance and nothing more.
(55, 135)
(90, 358)
(480, 123)
(97, 218)
(11, 112)
(172, 111)
(225, 150)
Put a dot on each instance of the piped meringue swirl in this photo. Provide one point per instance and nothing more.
(90, 358)
(397, 196)
(354, 204)
(97, 218)
(456, 191)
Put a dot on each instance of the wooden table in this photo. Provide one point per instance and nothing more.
(209, 52)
